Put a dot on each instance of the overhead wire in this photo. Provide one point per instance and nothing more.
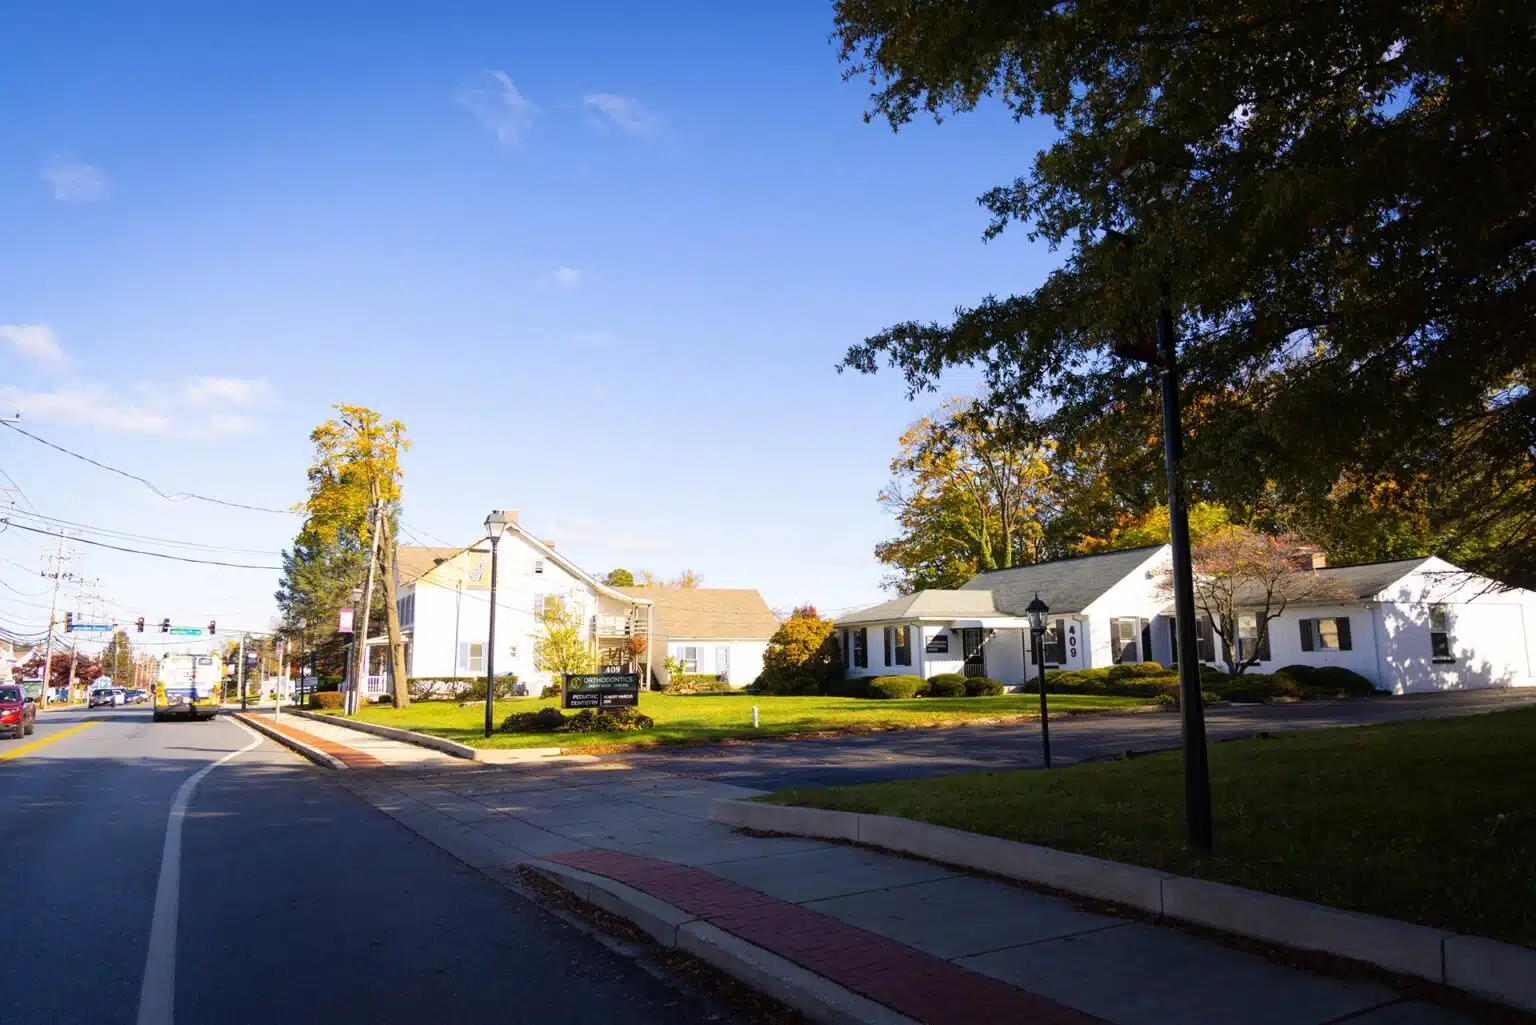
(145, 538)
(179, 496)
(140, 551)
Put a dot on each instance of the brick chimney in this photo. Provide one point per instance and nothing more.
(1305, 560)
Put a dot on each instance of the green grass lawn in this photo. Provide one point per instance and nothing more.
(1431, 822)
(682, 719)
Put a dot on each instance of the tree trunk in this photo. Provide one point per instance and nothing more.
(398, 687)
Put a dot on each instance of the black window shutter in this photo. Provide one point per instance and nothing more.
(906, 645)
(1306, 635)
(1343, 622)
(1264, 642)
(848, 648)
(1173, 639)
(1205, 636)
(890, 635)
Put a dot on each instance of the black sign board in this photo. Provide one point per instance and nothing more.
(938, 644)
(601, 690)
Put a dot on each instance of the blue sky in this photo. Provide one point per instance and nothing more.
(601, 262)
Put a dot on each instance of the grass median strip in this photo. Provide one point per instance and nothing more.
(1431, 822)
(683, 719)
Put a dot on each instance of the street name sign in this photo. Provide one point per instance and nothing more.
(92, 626)
(601, 690)
(187, 631)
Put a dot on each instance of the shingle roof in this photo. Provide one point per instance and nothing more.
(1068, 586)
(709, 612)
(416, 561)
(926, 605)
(1371, 578)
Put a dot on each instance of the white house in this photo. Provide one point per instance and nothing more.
(445, 610)
(1409, 626)
(712, 630)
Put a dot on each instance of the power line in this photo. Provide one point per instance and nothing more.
(126, 536)
(20, 492)
(140, 551)
(179, 496)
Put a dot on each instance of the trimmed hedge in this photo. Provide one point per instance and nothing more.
(1100, 681)
(946, 685)
(896, 687)
(982, 687)
(696, 683)
(544, 720)
(1331, 679)
(588, 720)
(457, 688)
(325, 699)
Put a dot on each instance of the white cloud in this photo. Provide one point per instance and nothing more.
(92, 405)
(230, 391)
(561, 277)
(495, 101)
(36, 342)
(75, 182)
(626, 114)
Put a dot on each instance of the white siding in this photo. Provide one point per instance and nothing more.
(1285, 641)
(932, 665)
(744, 657)
(1140, 594)
(1005, 656)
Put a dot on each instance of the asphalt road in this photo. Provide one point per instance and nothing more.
(297, 902)
(919, 754)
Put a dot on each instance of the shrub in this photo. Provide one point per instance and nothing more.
(457, 688)
(697, 683)
(852, 687)
(982, 687)
(1165, 700)
(544, 720)
(616, 720)
(946, 685)
(805, 646)
(504, 688)
(1328, 681)
(1100, 681)
(552, 690)
(785, 686)
(1256, 687)
(1136, 671)
(324, 699)
(896, 687)
(328, 683)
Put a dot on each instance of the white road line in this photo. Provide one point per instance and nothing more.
(157, 995)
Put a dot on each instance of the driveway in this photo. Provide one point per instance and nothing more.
(918, 754)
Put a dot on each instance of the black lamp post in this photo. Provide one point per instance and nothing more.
(1163, 354)
(495, 523)
(1037, 611)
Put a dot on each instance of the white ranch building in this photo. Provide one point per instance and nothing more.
(712, 630)
(1412, 625)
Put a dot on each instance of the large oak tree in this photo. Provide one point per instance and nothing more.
(1340, 201)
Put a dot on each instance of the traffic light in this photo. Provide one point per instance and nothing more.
(165, 626)
(211, 625)
(139, 623)
(69, 621)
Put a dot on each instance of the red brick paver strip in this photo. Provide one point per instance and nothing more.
(350, 758)
(905, 979)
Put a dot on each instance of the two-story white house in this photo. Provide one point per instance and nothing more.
(1408, 626)
(445, 610)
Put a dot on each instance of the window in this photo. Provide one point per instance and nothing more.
(407, 609)
(1124, 640)
(1249, 644)
(689, 657)
(1205, 639)
(722, 662)
(538, 565)
(898, 650)
(1440, 634)
(471, 657)
(861, 648)
(1325, 634)
(1056, 643)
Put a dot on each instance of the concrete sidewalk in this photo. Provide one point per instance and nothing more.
(916, 937)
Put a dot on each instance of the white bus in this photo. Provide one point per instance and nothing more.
(188, 687)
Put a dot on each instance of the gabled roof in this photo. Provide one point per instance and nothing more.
(416, 561)
(709, 613)
(1068, 586)
(926, 605)
(1370, 579)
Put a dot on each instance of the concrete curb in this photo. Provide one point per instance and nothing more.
(1498, 971)
(813, 996)
(315, 755)
(449, 747)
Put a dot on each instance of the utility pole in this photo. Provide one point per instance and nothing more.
(240, 672)
(360, 630)
(53, 614)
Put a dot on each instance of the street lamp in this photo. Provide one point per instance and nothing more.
(495, 523)
(1037, 611)
(1164, 356)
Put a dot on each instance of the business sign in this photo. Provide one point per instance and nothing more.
(938, 644)
(345, 625)
(601, 690)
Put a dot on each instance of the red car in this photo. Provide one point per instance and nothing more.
(18, 713)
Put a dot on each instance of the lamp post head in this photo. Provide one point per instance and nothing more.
(357, 595)
(495, 523)
(1037, 611)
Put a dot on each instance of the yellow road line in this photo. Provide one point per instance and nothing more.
(16, 752)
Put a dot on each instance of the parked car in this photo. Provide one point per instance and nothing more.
(18, 713)
(103, 696)
(138, 697)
